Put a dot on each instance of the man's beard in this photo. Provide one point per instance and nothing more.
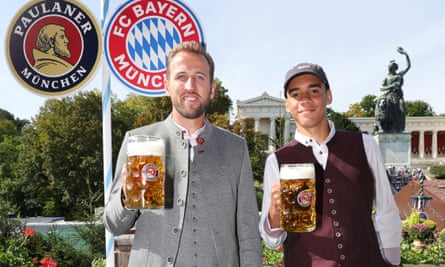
(190, 113)
(62, 51)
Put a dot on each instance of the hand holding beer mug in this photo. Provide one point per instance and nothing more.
(297, 183)
(144, 186)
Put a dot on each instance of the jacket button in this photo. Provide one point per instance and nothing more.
(184, 145)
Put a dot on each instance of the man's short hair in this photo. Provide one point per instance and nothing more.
(194, 47)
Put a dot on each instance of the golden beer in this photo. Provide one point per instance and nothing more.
(145, 172)
(297, 183)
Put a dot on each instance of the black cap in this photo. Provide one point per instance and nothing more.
(305, 68)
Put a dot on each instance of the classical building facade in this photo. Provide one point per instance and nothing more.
(427, 133)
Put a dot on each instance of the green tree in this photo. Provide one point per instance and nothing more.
(136, 111)
(140, 110)
(6, 115)
(418, 108)
(341, 122)
(256, 145)
(34, 182)
(10, 182)
(221, 102)
(365, 108)
(19, 123)
(7, 128)
(66, 139)
(219, 107)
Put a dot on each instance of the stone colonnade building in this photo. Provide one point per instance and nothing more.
(427, 133)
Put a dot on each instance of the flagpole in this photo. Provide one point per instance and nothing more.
(106, 139)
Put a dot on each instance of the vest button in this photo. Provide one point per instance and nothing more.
(331, 201)
(329, 191)
(327, 180)
(337, 234)
(342, 257)
(333, 212)
(336, 224)
(340, 246)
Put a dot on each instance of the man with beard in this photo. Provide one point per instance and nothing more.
(52, 43)
(210, 211)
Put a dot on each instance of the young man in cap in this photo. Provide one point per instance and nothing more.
(351, 183)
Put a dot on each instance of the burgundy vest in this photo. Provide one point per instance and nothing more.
(345, 235)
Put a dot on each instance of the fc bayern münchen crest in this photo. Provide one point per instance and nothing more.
(53, 47)
(139, 36)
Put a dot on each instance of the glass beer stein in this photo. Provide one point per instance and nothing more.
(145, 172)
(297, 183)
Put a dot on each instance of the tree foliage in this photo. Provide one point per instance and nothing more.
(11, 181)
(341, 122)
(67, 161)
(138, 110)
(365, 108)
(418, 108)
(19, 123)
(221, 102)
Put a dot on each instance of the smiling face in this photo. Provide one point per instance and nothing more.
(307, 98)
(189, 86)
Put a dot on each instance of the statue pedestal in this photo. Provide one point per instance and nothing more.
(395, 148)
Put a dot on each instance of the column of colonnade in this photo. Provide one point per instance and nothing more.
(434, 144)
(271, 128)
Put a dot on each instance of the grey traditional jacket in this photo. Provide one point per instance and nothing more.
(225, 170)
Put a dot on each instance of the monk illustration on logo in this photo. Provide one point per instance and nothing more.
(52, 43)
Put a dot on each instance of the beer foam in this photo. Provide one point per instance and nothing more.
(144, 145)
(297, 171)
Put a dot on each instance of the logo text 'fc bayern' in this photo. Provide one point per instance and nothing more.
(53, 47)
(139, 36)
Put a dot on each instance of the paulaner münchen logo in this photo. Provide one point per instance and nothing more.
(53, 47)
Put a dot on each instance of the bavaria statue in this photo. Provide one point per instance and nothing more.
(390, 106)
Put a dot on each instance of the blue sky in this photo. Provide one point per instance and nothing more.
(254, 43)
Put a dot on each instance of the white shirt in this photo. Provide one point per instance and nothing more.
(193, 139)
(386, 220)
